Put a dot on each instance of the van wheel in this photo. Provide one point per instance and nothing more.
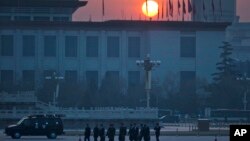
(52, 135)
(16, 135)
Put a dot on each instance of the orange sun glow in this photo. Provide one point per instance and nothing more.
(150, 8)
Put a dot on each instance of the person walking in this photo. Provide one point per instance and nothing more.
(87, 133)
(102, 133)
(96, 132)
(157, 131)
(141, 133)
(122, 132)
(131, 132)
(146, 136)
(111, 132)
(136, 132)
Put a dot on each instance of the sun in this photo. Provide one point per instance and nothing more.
(150, 8)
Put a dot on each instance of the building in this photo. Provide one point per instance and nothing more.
(91, 51)
(214, 10)
(239, 36)
(38, 10)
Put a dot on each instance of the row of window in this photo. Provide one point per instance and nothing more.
(187, 46)
(71, 46)
(35, 18)
(187, 78)
(28, 76)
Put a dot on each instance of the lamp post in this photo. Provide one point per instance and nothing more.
(148, 65)
(56, 79)
(245, 80)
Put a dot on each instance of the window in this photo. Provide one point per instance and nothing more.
(71, 76)
(113, 46)
(92, 78)
(70, 46)
(41, 19)
(5, 18)
(49, 73)
(92, 46)
(29, 79)
(7, 45)
(22, 18)
(188, 47)
(134, 45)
(187, 82)
(28, 45)
(7, 77)
(112, 75)
(242, 68)
(61, 19)
(133, 78)
(49, 46)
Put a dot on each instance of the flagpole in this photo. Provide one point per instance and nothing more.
(167, 16)
(162, 10)
(158, 10)
(183, 10)
(103, 10)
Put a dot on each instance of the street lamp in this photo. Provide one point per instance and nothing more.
(148, 65)
(244, 79)
(56, 79)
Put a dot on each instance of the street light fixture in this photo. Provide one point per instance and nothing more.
(148, 65)
(244, 79)
(56, 79)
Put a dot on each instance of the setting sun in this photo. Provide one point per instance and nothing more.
(152, 8)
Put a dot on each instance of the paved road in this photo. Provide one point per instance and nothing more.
(164, 138)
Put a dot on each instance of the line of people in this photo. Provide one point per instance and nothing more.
(135, 133)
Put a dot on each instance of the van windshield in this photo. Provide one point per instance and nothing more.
(20, 121)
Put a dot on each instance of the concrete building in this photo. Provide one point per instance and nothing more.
(90, 50)
(38, 10)
(239, 36)
(87, 51)
(215, 10)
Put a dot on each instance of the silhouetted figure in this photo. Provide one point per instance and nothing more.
(96, 132)
(122, 132)
(102, 133)
(141, 133)
(87, 133)
(111, 132)
(146, 136)
(130, 132)
(157, 131)
(136, 132)
(80, 139)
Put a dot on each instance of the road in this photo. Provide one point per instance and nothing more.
(163, 138)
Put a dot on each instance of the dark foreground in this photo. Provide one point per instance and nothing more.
(163, 138)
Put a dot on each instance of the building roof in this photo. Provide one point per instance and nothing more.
(118, 25)
(42, 3)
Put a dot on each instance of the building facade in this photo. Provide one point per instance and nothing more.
(239, 36)
(86, 51)
(90, 51)
(39, 10)
(214, 10)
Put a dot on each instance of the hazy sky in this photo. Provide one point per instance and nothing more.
(127, 9)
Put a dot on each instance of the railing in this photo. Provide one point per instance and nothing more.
(85, 114)
(28, 96)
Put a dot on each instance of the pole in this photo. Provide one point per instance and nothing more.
(148, 86)
(148, 97)
(245, 100)
(54, 99)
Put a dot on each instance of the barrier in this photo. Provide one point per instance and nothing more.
(112, 113)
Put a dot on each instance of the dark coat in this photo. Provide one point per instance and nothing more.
(87, 132)
(96, 131)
